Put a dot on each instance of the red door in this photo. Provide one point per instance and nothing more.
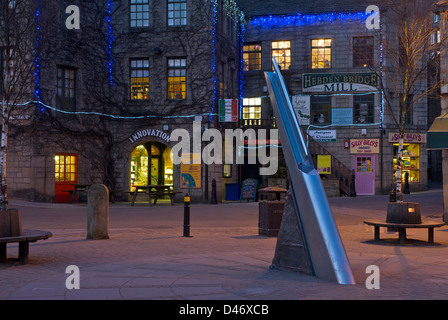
(66, 175)
(364, 166)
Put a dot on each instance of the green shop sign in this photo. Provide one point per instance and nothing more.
(339, 82)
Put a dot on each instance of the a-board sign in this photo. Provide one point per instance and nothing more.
(248, 189)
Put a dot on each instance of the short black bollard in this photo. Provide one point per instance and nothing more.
(187, 215)
(213, 200)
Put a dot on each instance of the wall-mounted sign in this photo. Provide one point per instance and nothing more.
(339, 82)
(408, 137)
(324, 164)
(190, 170)
(150, 133)
(228, 110)
(323, 135)
(364, 146)
(342, 116)
(301, 105)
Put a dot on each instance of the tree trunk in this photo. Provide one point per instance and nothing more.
(399, 168)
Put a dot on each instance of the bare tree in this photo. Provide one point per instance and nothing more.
(17, 56)
(410, 45)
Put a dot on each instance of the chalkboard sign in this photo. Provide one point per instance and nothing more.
(248, 189)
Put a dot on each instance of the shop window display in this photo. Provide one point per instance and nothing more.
(410, 162)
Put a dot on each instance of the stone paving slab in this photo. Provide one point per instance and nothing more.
(147, 258)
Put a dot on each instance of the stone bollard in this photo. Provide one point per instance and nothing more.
(97, 212)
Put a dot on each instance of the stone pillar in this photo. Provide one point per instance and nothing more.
(97, 212)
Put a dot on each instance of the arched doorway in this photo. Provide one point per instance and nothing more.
(151, 164)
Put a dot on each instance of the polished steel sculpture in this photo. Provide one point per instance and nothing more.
(326, 253)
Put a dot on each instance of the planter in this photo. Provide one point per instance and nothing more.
(404, 212)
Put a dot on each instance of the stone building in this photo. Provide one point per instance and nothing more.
(111, 93)
(330, 58)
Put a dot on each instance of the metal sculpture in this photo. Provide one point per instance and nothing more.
(326, 253)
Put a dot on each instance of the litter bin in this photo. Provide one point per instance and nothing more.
(271, 206)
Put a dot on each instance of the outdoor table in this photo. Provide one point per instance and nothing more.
(154, 191)
(78, 188)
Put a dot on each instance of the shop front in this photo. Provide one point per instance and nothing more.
(411, 156)
(364, 153)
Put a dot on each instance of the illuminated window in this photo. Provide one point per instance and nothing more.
(410, 162)
(252, 57)
(177, 12)
(65, 168)
(139, 13)
(321, 53)
(281, 50)
(139, 79)
(177, 79)
(252, 111)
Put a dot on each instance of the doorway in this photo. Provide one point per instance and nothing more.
(151, 164)
(364, 166)
(66, 175)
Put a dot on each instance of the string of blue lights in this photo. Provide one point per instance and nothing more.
(110, 41)
(44, 106)
(213, 59)
(37, 91)
(303, 19)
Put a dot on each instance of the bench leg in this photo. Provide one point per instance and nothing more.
(2, 252)
(24, 249)
(402, 235)
(431, 235)
(377, 233)
(172, 200)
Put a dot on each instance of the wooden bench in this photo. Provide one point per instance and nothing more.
(23, 240)
(156, 195)
(401, 227)
(78, 188)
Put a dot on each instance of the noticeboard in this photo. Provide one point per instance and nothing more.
(249, 189)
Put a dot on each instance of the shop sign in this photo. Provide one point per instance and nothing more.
(301, 105)
(408, 137)
(323, 135)
(324, 164)
(342, 116)
(364, 146)
(190, 170)
(228, 110)
(339, 82)
(150, 133)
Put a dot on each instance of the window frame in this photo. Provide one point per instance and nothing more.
(182, 67)
(359, 100)
(181, 10)
(136, 4)
(133, 95)
(64, 102)
(363, 56)
(324, 47)
(253, 57)
(282, 65)
(317, 107)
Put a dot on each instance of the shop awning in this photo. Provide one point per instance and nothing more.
(438, 134)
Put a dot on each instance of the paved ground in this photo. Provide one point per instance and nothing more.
(147, 257)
